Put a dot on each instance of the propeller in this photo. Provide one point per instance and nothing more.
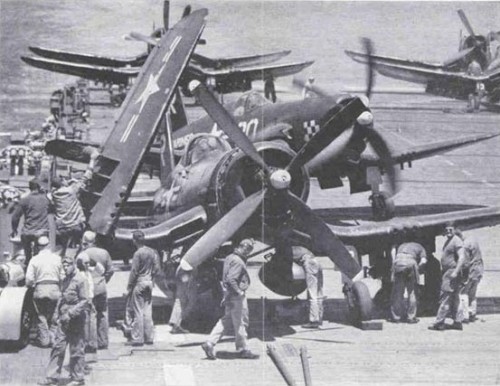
(466, 23)
(275, 197)
(370, 76)
(363, 129)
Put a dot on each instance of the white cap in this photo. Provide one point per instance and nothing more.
(43, 241)
(89, 237)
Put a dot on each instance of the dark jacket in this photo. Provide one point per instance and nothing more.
(35, 209)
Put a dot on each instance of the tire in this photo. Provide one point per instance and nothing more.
(360, 303)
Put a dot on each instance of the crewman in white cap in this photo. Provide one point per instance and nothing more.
(45, 274)
(99, 257)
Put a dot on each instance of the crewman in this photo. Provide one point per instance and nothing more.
(145, 267)
(474, 262)
(99, 257)
(12, 270)
(83, 265)
(45, 274)
(475, 97)
(70, 330)
(183, 301)
(408, 261)
(236, 280)
(308, 92)
(452, 262)
(314, 281)
(269, 88)
(70, 218)
(35, 209)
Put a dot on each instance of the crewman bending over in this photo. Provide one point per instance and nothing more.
(408, 261)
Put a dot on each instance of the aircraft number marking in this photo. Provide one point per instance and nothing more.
(248, 128)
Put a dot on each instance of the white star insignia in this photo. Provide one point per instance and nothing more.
(150, 89)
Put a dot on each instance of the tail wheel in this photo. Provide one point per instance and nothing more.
(359, 302)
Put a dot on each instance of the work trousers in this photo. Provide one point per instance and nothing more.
(91, 330)
(67, 236)
(235, 319)
(101, 307)
(72, 333)
(315, 296)
(449, 306)
(404, 280)
(29, 243)
(142, 305)
(46, 325)
(468, 298)
(184, 299)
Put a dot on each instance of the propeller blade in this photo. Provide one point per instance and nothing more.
(370, 76)
(166, 14)
(465, 22)
(324, 241)
(382, 150)
(334, 123)
(223, 230)
(459, 56)
(143, 38)
(225, 121)
(187, 11)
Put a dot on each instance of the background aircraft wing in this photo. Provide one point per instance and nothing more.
(241, 61)
(141, 115)
(258, 72)
(389, 60)
(362, 236)
(426, 75)
(87, 71)
(424, 151)
(95, 60)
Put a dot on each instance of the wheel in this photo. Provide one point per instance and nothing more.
(25, 325)
(359, 302)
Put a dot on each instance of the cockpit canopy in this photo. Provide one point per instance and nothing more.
(249, 101)
(202, 146)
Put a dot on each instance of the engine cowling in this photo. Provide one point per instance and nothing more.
(237, 176)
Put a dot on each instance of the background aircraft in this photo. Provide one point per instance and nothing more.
(223, 75)
(451, 78)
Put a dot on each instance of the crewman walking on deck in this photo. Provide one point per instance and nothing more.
(236, 280)
(314, 280)
(99, 257)
(45, 275)
(452, 262)
(70, 330)
(145, 267)
(408, 260)
(474, 263)
(35, 209)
